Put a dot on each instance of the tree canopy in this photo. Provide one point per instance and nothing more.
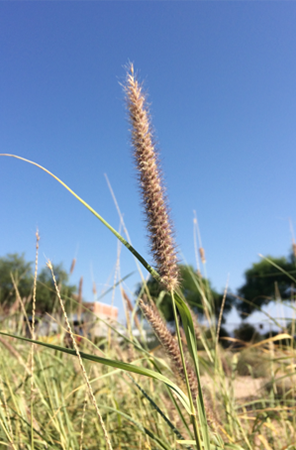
(14, 266)
(266, 281)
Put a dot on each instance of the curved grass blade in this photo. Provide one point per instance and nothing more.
(115, 285)
(112, 363)
(121, 238)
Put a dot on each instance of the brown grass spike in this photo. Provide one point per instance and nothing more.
(151, 185)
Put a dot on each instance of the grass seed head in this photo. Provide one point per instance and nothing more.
(160, 229)
(170, 344)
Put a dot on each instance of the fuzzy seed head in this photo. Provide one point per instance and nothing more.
(159, 225)
(169, 344)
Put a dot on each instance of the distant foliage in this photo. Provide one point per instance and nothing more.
(14, 266)
(265, 283)
(246, 333)
(46, 295)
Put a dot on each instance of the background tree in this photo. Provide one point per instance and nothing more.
(194, 287)
(21, 270)
(46, 298)
(265, 283)
(246, 332)
(16, 265)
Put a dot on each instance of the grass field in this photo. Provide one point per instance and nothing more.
(50, 407)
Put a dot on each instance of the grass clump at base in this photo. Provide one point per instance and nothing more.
(252, 363)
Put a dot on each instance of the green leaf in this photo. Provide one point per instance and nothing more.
(113, 363)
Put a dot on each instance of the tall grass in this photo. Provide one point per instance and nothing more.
(123, 393)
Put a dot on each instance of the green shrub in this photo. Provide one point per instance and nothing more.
(252, 362)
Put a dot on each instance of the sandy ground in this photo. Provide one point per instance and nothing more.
(244, 387)
(248, 387)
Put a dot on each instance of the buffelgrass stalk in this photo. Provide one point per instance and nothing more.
(33, 333)
(160, 229)
(91, 394)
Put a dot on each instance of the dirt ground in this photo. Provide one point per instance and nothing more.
(244, 387)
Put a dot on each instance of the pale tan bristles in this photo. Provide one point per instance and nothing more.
(130, 308)
(169, 344)
(94, 289)
(202, 255)
(151, 185)
(80, 298)
(73, 266)
(195, 233)
(294, 249)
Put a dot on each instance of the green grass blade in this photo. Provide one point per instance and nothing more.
(112, 363)
(121, 238)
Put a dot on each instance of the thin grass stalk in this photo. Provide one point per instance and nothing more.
(21, 302)
(116, 274)
(5, 408)
(131, 310)
(80, 286)
(125, 229)
(221, 314)
(7, 434)
(91, 394)
(83, 420)
(195, 225)
(209, 314)
(33, 333)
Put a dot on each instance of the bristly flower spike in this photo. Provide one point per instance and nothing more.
(159, 225)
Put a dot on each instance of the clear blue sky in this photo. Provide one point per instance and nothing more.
(221, 82)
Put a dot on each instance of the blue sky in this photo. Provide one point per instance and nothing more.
(221, 83)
